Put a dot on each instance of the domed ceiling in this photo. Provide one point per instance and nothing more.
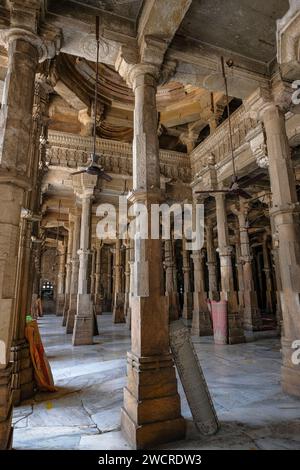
(177, 104)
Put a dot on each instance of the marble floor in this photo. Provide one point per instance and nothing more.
(243, 379)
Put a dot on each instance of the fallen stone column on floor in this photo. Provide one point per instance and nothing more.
(192, 379)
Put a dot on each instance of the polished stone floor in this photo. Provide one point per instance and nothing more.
(243, 379)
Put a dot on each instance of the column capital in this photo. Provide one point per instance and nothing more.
(132, 64)
(264, 99)
(8, 36)
(84, 185)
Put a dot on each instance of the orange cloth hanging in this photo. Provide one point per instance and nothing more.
(42, 370)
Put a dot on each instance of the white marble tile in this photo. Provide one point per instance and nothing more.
(244, 381)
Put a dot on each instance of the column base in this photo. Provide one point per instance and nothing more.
(71, 314)
(151, 414)
(60, 303)
(290, 371)
(173, 306)
(6, 430)
(152, 434)
(22, 381)
(118, 311)
(83, 331)
(187, 312)
(201, 324)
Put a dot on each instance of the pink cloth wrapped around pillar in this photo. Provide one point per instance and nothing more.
(219, 318)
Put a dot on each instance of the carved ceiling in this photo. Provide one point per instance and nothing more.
(179, 105)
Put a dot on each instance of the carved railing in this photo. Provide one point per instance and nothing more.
(218, 143)
(71, 150)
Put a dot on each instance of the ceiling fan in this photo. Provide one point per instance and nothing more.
(93, 168)
(235, 188)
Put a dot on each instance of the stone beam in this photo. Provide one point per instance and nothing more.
(200, 65)
(160, 19)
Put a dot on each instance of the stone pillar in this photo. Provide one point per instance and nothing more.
(211, 261)
(109, 283)
(74, 274)
(201, 324)
(187, 311)
(119, 297)
(93, 270)
(15, 126)
(97, 291)
(251, 317)
(171, 285)
(240, 274)
(127, 278)
(268, 275)
(235, 331)
(22, 373)
(275, 257)
(131, 281)
(83, 331)
(151, 411)
(68, 269)
(61, 276)
(285, 214)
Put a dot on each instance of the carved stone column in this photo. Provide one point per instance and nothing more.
(98, 293)
(240, 274)
(171, 291)
(127, 278)
(74, 274)
(68, 269)
(235, 331)
(22, 385)
(201, 325)
(151, 410)
(119, 296)
(251, 314)
(285, 215)
(93, 270)
(285, 212)
(268, 275)
(83, 331)
(187, 311)
(211, 261)
(131, 281)
(15, 125)
(61, 276)
(109, 280)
